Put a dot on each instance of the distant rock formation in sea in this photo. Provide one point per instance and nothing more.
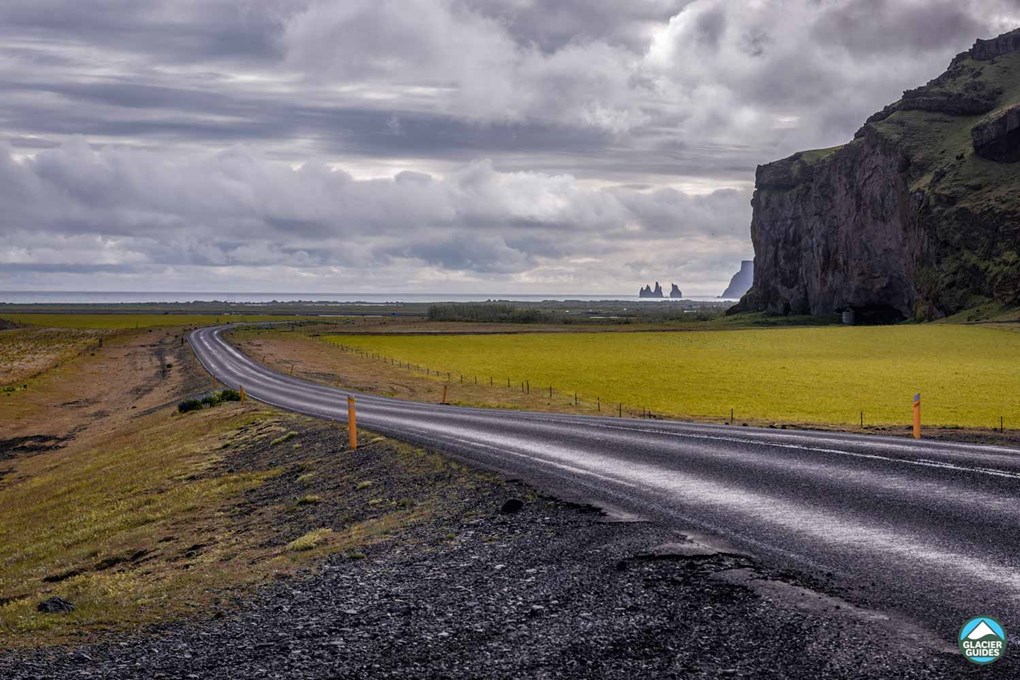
(649, 292)
(741, 281)
(675, 293)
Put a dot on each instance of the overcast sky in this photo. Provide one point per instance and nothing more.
(518, 146)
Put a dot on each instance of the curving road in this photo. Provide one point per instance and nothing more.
(929, 530)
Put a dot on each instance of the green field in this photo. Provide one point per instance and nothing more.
(969, 376)
(124, 321)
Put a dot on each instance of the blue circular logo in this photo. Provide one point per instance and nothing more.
(982, 640)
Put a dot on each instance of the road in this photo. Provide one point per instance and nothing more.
(929, 531)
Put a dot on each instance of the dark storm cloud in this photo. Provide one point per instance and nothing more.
(343, 144)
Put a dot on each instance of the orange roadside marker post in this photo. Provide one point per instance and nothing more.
(917, 416)
(352, 425)
(240, 389)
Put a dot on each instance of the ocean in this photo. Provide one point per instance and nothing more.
(135, 297)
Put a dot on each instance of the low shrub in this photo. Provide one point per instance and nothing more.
(189, 405)
(210, 400)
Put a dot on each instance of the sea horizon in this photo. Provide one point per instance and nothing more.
(185, 297)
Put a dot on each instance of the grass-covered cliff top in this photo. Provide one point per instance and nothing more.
(940, 146)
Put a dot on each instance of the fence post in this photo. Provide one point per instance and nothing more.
(917, 416)
(352, 425)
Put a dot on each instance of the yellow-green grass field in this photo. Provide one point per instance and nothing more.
(127, 321)
(969, 376)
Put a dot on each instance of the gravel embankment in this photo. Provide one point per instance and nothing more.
(554, 590)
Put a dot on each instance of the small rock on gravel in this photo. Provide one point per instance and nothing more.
(512, 506)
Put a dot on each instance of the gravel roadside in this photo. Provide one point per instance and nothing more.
(552, 590)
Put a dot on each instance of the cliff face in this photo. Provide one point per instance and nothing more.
(741, 281)
(918, 216)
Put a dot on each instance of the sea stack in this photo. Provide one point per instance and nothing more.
(649, 292)
(675, 293)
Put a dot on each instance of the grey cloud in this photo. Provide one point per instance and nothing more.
(130, 208)
(533, 144)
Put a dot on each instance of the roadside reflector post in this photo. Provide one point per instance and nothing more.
(240, 390)
(621, 410)
(212, 382)
(444, 394)
(917, 416)
(352, 425)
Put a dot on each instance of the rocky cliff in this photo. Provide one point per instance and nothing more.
(741, 281)
(918, 216)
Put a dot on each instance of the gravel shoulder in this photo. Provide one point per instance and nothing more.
(427, 576)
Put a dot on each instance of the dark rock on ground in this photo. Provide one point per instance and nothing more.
(511, 506)
(55, 605)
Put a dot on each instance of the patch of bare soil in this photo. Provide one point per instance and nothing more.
(95, 394)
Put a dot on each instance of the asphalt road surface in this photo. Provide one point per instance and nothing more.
(928, 531)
